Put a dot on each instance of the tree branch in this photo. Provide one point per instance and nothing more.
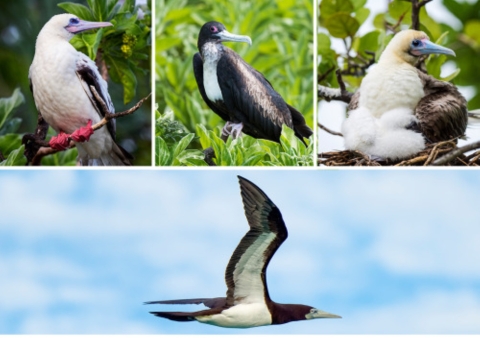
(336, 133)
(455, 153)
(337, 94)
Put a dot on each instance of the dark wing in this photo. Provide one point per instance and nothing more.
(211, 303)
(299, 125)
(245, 275)
(442, 112)
(198, 71)
(251, 99)
(88, 74)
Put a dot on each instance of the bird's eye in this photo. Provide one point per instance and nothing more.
(213, 29)
(74, 21)
(416, 43)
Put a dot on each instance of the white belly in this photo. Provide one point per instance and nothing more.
(240, 316)
(210, 79)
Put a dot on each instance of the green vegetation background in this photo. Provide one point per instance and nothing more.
(282, 49)
(343, 18)
(20, 23)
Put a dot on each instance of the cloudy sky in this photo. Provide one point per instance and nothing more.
(389, 251)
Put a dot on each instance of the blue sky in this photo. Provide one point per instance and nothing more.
(390, 251)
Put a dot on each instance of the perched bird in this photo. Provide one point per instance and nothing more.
(248, 302)
(238, 93)
(60, 79)
(398, 107)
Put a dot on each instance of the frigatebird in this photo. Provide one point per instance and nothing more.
(237, 92)
(247, 303)
(398, 107)
(60, 80)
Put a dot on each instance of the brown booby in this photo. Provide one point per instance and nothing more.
(237, 92)
(247, 303)
(398, 107)
(60, 79)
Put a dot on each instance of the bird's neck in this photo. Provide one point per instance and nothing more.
(212, 51)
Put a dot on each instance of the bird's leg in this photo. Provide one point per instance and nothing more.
(59, 142)
(62, 140)
(83, 133)
(237, 130)
(233, 129)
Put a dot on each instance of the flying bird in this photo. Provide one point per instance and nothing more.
(398, 108)
(247, 303)
(60, 80)
(237, 92)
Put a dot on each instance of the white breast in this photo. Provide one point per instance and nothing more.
(386, 88)
(211, 55)
(240, 316)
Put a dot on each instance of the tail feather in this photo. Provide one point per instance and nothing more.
(211, 303)
(176, 316)
(299, 125)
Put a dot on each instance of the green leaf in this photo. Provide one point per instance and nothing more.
(127, 7)
(472, 29)
(7, 105)
(331, 7)
(15, 158)
(162, 153)
(81, 11)
(99, 9)
(361, 15)
(182, 145)
(450, 77)
(342, 25)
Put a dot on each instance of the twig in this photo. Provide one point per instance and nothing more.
(455, 153)
(322, 77)
(336, 133)
(416, 7)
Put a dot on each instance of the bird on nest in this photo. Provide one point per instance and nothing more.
(398, 108)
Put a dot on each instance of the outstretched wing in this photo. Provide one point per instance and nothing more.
(245, 275)
(211, 303)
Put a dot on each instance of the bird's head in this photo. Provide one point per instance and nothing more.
(215, 32)
(316, 313)
(409, 45)
(67, 25)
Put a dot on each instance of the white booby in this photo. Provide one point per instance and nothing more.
(60, 79)
(248, 302)
(237, 92)
(398, 108)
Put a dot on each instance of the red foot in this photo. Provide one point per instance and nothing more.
(59, 142)
(83, 134)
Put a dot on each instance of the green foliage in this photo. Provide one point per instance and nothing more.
(11, 148)
(248, 151)
(124, 46)
(171, 142)
(281, 31)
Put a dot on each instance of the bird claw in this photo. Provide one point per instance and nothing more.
(233, 129)
(59, 142)
(83, 134)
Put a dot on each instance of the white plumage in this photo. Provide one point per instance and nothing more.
(61, 77)
(388, 96)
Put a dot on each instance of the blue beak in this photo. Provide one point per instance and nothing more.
(427, 47)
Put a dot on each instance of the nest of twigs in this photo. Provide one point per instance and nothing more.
(442, 153)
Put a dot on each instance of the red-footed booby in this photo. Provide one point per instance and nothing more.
(248, 302)
(237, 92)
(398, 108)
(60, 79)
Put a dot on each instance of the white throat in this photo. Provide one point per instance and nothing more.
(211, 55)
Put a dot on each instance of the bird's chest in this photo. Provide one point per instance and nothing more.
(211, 56)
(240, 316)
(58, 93)
(386, 89)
